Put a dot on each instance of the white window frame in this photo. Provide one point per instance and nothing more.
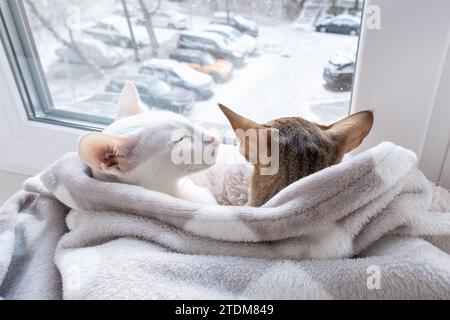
(402, 75)
(435, 160)
(26, 147)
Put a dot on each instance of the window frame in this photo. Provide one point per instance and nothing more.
(22, 136)
(413, 106)
(435, 160)
(445, 173)
(29, 76)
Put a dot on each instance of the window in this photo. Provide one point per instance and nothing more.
(160, 88)
(73, 49)
(191, 60)
(207, 43)
(285, 76)
(161, 74)
(207, 60)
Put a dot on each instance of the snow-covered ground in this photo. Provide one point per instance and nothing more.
(284, 78)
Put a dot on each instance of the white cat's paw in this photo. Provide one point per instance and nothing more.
(207, 197)
(189, 191)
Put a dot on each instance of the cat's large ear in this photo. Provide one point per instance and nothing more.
(237, 121)
(351, 131)
(249, 134)
(105, 153)
(129, 102)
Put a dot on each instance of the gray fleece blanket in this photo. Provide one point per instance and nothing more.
(359, 230)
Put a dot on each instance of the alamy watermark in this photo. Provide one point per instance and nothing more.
(259, 146)
(372, 15)
(374, 279)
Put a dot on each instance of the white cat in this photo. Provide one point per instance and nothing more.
(143, 148)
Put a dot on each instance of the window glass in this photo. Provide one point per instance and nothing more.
(160, 88)
(184, 72)
(208, 60)
(288, 68)
(158, 73)
(194, 60)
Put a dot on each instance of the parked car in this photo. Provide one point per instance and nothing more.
(238, 22)
(180, 75)
(115, 31)
(204, 62)
(156, 93)
(344, 24)
(213, 44)
(171, 20)
(340, 70)
(230, 34)
(95, 51)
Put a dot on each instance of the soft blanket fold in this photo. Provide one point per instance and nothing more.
(326, 236)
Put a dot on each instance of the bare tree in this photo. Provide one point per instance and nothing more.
(301, 4)
(69, 44)
(149, 25)
(130, 28)
(213, 5)
(293, 8)
(334, 7)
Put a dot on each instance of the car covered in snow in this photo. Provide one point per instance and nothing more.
(230, 34)
(94, 51)
(171, 20)
(180, 75)
(340, 70)
(213, 44)
(155, 93)
(343, 24)
(115, 31)
(238, 22)
(204, 62)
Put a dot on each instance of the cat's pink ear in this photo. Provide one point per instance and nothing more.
(104, 153)
(129, 102)
(351, 131)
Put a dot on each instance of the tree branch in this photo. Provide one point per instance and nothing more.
(71, 45)
(149, 26)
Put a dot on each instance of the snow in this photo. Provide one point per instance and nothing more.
(283, 79)
(272, 85)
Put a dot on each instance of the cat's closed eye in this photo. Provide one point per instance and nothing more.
(181, 139)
